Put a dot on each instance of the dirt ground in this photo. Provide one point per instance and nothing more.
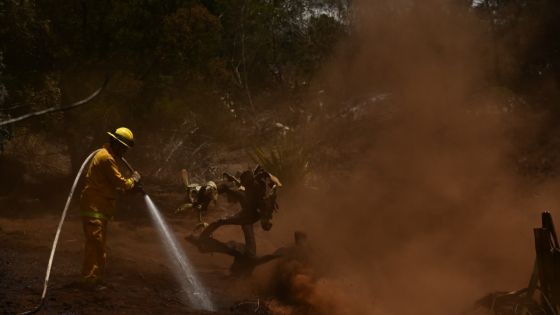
(139, 279)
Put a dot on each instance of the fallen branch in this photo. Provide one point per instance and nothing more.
(56, 109)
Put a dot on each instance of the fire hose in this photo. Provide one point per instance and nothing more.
(57, 235)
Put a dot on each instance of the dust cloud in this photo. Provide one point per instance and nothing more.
(434, 213)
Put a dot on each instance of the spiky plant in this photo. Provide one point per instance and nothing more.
(286, 159)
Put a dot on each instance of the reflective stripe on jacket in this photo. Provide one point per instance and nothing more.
(102, 184)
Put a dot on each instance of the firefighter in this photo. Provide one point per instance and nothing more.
(103, 182)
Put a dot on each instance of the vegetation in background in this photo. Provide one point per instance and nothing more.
(190, 73)
(170, 61)
(525, 55)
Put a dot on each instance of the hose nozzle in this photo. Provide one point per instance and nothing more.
(140, 188)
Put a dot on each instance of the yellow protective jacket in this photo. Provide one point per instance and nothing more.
(102, 184)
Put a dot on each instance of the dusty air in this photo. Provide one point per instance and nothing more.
(302, 157)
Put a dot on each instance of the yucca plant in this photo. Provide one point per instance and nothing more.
(286, 159)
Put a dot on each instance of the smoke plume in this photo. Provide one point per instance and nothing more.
(433, 214)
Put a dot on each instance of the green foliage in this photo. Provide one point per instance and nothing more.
(168, 44)
(524, 53)
(287, 160)
(525, 44)
(191, 41)
(169, 59)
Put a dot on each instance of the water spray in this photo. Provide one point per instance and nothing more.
(57, 235)
(196, 293)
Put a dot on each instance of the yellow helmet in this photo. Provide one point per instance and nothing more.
(124, 136)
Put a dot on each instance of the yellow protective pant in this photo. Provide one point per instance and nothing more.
(95, 255)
